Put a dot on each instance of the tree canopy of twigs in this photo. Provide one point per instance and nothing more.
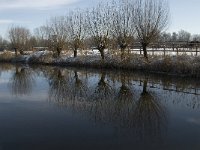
(19, 37)
(151, 17)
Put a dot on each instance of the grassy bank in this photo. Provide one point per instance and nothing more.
(182, 65)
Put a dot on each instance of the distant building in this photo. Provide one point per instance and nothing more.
(40, 48)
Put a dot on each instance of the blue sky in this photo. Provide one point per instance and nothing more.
(185, 14)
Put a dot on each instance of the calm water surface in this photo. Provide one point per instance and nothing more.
(44, 108)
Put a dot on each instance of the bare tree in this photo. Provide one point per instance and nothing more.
(99, 26)
(19, 37)
(174, 36)
(32, 43)
(57, 34)
(76, 23)
(3, 43)
(123, 29)
(165, 37)
(42, 36)
(184, 35)
(196, 37)
(151, 18)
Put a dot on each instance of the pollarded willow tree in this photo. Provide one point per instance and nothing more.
(151, 17)
(76, 29)
(57, 34)
(19, 38)
(123, 24)
(98, 26)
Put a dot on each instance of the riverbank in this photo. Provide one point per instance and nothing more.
(183, 65)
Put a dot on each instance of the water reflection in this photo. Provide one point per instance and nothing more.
(104, 103)
(103, 90)
(58, 85)
(22, 81)
(79, 88)
(129, 106)
(150, 116)
(124, 104)
(101, 100)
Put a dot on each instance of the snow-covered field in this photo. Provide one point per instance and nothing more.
(168, 51)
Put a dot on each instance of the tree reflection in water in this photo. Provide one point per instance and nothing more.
(150, 116)
(124, 104)
(103, 89)
(107, 104)
(67, 89)
(22, 81)
(58, 85)
(79, 88)
(101, 100)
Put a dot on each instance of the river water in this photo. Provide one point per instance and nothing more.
(44, 108)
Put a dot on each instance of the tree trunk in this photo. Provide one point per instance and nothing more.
(144, 91)
(58, 51)
(17, 70)
(15, 51)
(75, 53)
(122, 53)
(144, 47)
(76, 76)
(102, 53)
(21, 52)
(102, 80)
(59, 75)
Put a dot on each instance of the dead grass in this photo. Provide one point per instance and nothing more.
(6, 56)
(43, 59)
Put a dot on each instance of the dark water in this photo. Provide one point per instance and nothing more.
(44, 108)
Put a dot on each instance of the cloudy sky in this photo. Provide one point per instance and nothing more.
(185, 14)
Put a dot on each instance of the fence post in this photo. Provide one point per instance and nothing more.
(177, 51)
(152, 49)
(164, 50)
(196, 50)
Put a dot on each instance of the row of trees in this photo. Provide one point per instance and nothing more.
(117, 23)
(38, 39)
(179, 36)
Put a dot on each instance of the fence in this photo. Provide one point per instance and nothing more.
(169, 48)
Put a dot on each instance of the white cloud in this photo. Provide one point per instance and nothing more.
(35, 4)
(4, 21)
(8, 21)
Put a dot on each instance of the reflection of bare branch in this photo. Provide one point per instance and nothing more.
(125, 93)
(101, 99)
(67, 90)
(22, 81)
(145, 118)
(58, 84)
(6, 67)
(149, 115)
(103, 89)
(79, 88)
(124, 105)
